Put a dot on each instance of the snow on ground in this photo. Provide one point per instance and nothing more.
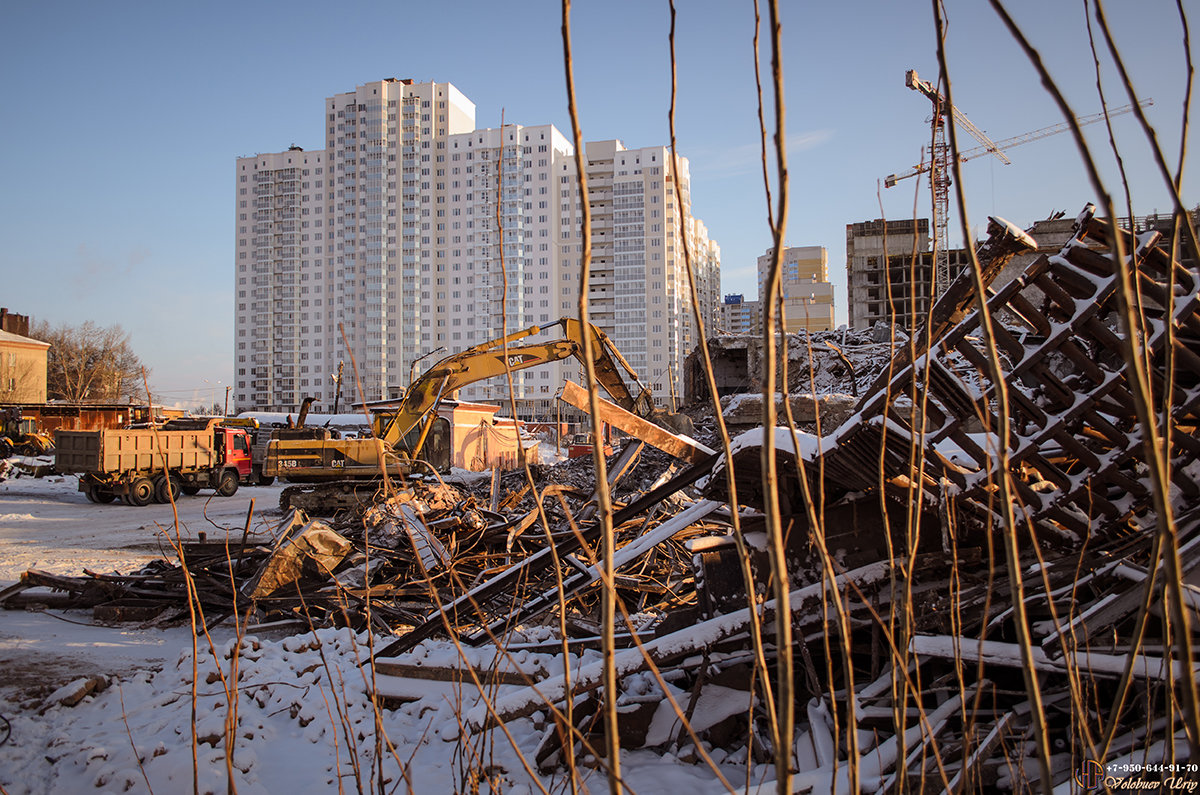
(305, 723)
(47, 524)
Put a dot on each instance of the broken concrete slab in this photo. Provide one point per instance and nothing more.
(745, 410)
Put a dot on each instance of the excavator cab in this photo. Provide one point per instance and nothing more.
(437, 450)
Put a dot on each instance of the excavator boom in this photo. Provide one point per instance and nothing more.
(493, 358)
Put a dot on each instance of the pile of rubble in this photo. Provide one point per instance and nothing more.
(981, 581)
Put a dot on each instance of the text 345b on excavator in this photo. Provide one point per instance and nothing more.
(334, 473)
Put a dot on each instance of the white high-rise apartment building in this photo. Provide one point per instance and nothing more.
(638, 290)
(390, 236)
(511, 170)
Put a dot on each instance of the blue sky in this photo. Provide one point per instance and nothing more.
(122, 122)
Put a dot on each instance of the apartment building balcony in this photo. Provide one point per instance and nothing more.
(602, 314)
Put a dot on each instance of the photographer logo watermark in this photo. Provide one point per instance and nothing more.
(1090, 774)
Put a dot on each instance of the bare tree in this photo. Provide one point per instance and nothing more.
(89, 363)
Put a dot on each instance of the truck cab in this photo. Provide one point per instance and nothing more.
(235, 450)
(581, 445)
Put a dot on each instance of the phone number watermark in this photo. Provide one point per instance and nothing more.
(1133, 777)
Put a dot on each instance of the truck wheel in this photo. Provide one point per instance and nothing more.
(166, 488)
(190, 489)
(263, 480)
(141, 492)
(90, 494)
(6, 448)
(228, 484)
(102, 496)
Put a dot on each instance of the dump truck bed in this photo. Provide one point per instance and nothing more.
(139, 450)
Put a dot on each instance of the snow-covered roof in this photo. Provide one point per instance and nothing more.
(271, 418)
(8, 336)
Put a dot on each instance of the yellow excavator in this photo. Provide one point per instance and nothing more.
(336, 472)
(19, 435)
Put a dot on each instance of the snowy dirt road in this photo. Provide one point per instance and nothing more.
(47, 524)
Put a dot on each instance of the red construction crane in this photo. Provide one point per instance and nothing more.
(938, 164)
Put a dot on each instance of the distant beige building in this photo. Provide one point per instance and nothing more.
(22, 369)
(804, 283)
(739, 316)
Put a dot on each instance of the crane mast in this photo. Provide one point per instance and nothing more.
(939, 173)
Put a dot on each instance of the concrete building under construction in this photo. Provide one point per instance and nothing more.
(889, 272)
(739, 316)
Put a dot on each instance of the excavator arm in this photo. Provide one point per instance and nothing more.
(493, 358)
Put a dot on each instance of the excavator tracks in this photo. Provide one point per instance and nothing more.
(326, 499)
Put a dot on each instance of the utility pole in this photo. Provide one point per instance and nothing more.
(558, 420)
(337, 382)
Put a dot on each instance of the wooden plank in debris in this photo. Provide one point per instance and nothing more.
(128, 610)
(981, 752)
(1115, 607)
(580, 579)
(430, 550)
(494, 502)
(539, 561)
(442, 673)
(8, 593)
(394, 691)
(679, 446)
(1008, 655)
(627, 459)
(36, 598)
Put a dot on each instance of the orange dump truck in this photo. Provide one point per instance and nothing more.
(143, 465)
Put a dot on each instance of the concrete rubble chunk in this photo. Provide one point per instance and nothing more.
(76, 691)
